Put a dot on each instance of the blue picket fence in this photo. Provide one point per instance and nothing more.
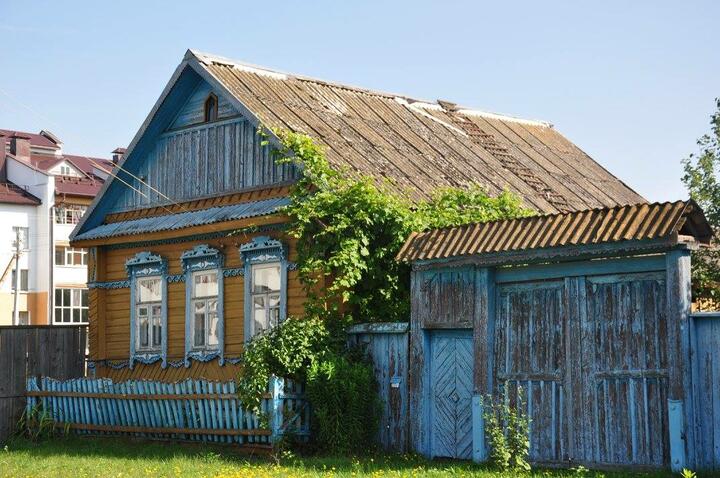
(193, 410)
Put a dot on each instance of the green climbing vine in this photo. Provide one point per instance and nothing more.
(349, 228)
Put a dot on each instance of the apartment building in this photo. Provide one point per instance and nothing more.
(43, 194)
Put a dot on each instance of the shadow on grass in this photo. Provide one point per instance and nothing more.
(138, 449)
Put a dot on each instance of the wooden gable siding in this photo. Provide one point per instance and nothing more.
(193, 112)
(110, 310)
(207, 160)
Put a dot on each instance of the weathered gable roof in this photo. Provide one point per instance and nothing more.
(421, 145)
(640, 222)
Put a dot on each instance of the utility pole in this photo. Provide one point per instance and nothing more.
(16, 311)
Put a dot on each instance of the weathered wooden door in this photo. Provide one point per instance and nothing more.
(621, 383)
(451, 376)
(529, 356)
(590, 356)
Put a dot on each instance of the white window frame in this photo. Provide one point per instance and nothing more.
(265, 295)
(69, 213)
(71, 307)
(205, 300)
(155, 322)
(24, 237)
(69, 253)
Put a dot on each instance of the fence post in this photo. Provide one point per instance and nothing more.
(277, 386)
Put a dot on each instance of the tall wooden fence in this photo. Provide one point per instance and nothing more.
(30, 351)
(705, 361)
(386, 344)
(194, 410)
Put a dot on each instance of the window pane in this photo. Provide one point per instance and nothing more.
(84, 259)
(58, 314)
(274, 317)
(199, 325)
(66, 314)
(84, 297)
(212, 326)
(205, 284)
(59, 256)
(157, 331)
(274, 300)
(84, 315)
(77, 259)
(260, 322)
(66, 297)
(148, 290)
(266, 278)
(58, 298)
(76, 298)
(144, 330)
(76, 315)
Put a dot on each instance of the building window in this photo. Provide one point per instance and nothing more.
(71, 306)
(69, 213)
(65, 170)
(211, 108)
(70, 256)
(265, 272)
(24, 317)
(24, 236)
(148, 314)
(24, 281)
(204, 330)
(205, 310)
(265, 297)
(147, 273)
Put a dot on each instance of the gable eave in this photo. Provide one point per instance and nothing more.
(190, 60)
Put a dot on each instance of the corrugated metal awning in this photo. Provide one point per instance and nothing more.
(595, 226)
(185, 219)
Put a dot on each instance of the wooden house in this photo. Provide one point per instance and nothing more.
(187, 254)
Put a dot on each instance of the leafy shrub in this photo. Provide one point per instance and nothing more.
(507, 430)
(287, 351)
(343, 396)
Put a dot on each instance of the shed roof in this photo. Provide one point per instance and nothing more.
(421, 145)
(185, 219)
(12, 194)
(637, 222)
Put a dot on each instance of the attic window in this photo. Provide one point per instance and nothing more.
(211, 108)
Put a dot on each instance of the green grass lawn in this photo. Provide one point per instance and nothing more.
(114, 457)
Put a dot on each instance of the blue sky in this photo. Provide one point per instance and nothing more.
(632, 83)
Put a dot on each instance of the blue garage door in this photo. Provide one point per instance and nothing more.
(451, 370)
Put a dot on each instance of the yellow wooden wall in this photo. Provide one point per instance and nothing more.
(110, 311)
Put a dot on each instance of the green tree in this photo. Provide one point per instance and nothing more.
(701, 179)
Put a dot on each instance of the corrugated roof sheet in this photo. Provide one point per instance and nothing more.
(185, 219)
(628, 223)
(421, 145)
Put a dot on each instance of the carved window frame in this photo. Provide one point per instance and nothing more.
(263, 250)
(147, 264)
(203, 258)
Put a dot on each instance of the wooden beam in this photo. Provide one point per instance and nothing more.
(187, 431)
(117, 396)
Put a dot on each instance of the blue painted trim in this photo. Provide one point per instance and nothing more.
(147, 264)
(583, 268)
(118, 284)
(263, 250)
(676, 427)
(202, 258)
(195, 237)
(277, 386)
(480, 452)
(380, 328)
